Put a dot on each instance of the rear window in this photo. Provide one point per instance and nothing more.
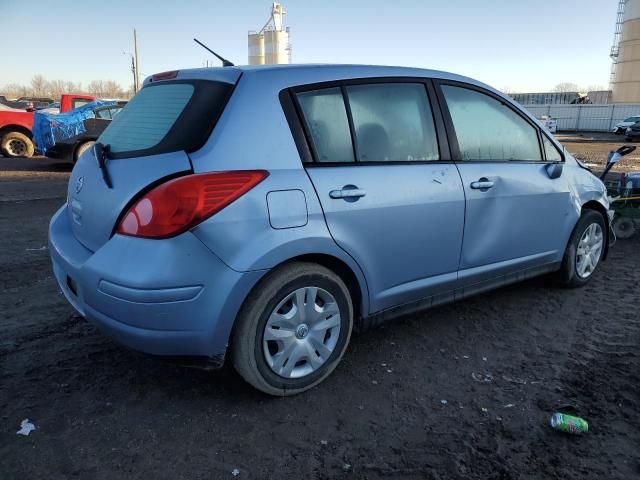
(166, 117)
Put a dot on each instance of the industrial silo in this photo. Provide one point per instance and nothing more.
(271, 44)
(256, 48)
(626, 79)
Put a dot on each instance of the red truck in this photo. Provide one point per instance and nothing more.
(16, 127)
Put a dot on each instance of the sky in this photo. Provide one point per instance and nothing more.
(518, 45)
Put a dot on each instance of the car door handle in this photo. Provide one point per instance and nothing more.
(347, 193)
(482, 184)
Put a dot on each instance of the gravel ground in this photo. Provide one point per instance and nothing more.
(462, 391)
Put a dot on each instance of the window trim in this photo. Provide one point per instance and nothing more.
(302, 137)
(550, 139)
(451, 132)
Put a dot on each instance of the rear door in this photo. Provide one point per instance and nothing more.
(391, 197)
(148, 141)
(517, 217)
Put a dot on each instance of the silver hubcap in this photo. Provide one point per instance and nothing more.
(16, 147)
(589, 250)
(301, 332)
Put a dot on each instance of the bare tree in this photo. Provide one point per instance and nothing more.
(71, 87)
(96, 87)
(565, 87)
(14, 90)
(40, 87)
(113, 90)
(56, 88)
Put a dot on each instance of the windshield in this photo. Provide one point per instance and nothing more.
(166, 117)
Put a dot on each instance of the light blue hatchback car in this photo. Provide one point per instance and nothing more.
(260, 214)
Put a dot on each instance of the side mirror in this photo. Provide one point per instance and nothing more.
(554, 170)
(613, 158)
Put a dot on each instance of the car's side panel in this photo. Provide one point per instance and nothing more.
(405, 232)
(243, 236)
(524, 217)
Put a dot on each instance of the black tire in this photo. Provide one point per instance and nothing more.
(80, 149)
(568, 275)
(623, 227)
(247, 342)
(16, 145)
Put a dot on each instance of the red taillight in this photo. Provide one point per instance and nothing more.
(165, 75)
(182, 203)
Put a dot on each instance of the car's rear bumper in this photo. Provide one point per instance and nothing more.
(170, 297)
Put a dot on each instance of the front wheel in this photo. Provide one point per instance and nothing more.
(584, 251)
(293, 329)
(623, 227)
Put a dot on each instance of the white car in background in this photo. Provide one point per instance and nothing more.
(622, 126)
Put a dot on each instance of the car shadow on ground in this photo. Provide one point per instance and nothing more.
(35, 164)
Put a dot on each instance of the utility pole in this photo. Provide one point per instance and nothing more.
(136, 79)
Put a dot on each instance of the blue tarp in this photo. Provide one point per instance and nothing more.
(50, 128)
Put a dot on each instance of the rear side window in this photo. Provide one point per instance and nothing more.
(393, 123)
(79, 102)
(488, 130)
(326, 121)
(166, 117)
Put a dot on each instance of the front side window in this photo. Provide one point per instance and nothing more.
(326, 119)
(488, 130)
(552, 153)
(392, 122)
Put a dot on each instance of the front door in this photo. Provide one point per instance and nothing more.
(517, 217)
(389, 200)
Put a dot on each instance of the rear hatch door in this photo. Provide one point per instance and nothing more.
(148, 142)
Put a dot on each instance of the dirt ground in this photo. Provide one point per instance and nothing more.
(459, 392)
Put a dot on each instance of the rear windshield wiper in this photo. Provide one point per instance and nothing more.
(101, 152)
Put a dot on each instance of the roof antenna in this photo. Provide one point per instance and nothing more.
(225, 62)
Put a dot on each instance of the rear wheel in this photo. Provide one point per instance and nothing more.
(293, 329)
(584, 251)
(83, 147)
(16, 144)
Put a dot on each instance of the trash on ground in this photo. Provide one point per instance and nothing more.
(235, 472)
(514, 379)
(323, 442)
(444, 402)
(36, 249)
(485, 410)
(509, 405)
(569, 424)
(26, 427)
(482, 377)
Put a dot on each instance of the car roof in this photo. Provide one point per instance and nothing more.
(314, 73)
